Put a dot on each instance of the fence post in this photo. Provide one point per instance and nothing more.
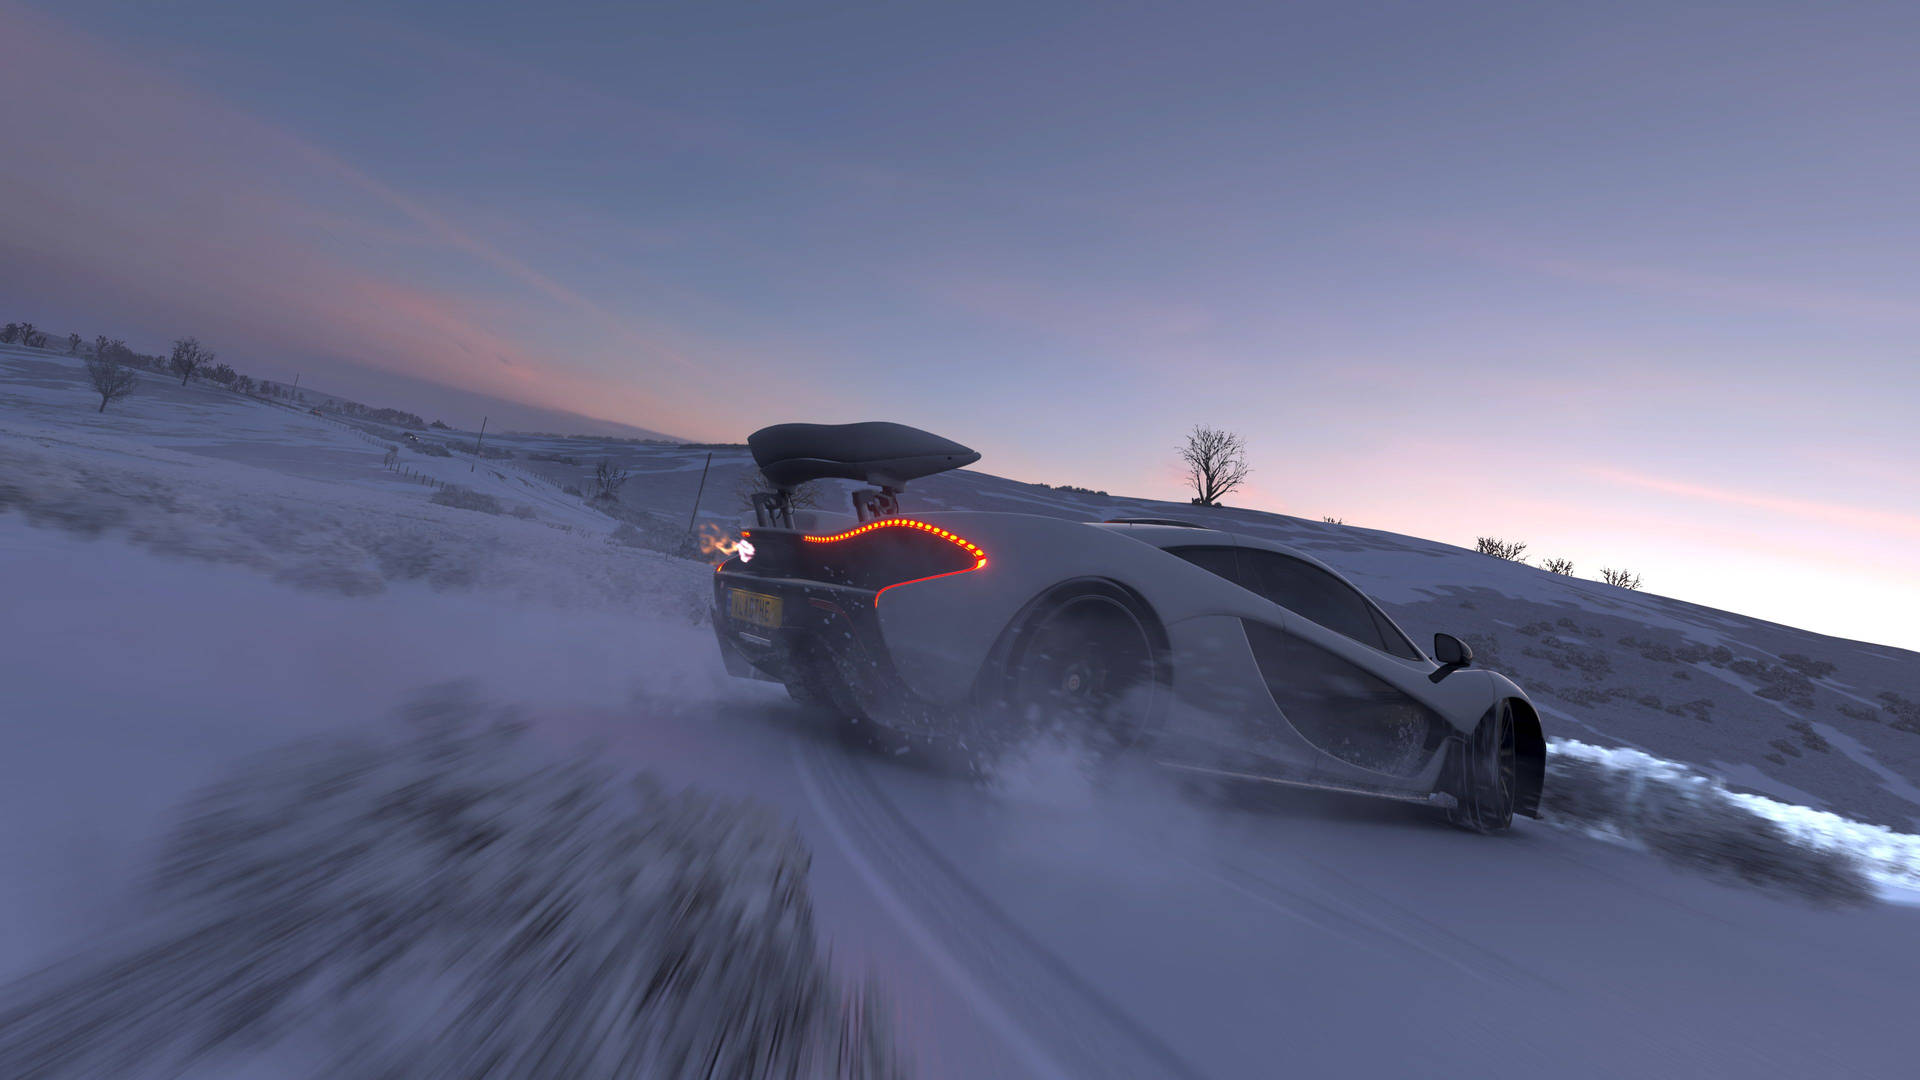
(702, 490)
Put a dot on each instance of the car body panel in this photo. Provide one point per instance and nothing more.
(1324, 709)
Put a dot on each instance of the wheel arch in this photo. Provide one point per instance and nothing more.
(1530, 754)
(989, 682)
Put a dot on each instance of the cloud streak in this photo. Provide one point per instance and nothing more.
(142, 193)
(1715, 289)
(1836, 515)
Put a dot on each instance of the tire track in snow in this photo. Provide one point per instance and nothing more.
(991, 959)
(949, 965)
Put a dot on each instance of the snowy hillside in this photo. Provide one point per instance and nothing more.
(442, 781)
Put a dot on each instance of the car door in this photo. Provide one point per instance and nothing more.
(1336, 670)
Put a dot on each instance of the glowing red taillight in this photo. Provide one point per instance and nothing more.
(969, 547)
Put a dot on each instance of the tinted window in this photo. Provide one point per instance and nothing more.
(1312, 593)
(1343, 708)
(1396, 642)
(1219, 561)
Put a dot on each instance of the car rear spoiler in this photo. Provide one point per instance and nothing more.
(876, 452)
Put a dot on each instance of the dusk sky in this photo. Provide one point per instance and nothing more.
(1638, 284)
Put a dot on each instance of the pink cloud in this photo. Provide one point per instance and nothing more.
(152, 197)
(1835, 515)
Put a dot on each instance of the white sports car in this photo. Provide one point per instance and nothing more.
(1210, 651)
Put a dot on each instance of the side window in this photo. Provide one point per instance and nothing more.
(1396, 642)
(1218, 561)
(1313, 593)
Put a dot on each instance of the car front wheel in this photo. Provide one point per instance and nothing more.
(1485, 773)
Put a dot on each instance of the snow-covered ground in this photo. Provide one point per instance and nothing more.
(194, 584)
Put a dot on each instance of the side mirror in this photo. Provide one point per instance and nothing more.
(1451, 651)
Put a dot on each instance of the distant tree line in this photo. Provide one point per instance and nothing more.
(111, 368)
(396, 417)
(23, 334)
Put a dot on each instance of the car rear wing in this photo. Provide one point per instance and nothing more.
(876, 452)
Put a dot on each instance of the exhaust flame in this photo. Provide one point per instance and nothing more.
(715, 541)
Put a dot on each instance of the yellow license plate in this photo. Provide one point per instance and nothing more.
(756, 608)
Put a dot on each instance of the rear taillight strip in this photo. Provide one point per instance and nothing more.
(971, 548)
(979, 557)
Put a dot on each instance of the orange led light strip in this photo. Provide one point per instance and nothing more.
(979, 557)
(905, 523)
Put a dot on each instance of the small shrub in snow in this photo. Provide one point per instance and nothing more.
(523, 512)
(1856, 712)
(1807, 665)
(462, 498)
(1563, 567)
(608, 478)
(449, 905)
(25, 334)
(1334, 520)
(1500, 549)
(569, 489)
(110, 380)
(1625, 579)
(1905, 713)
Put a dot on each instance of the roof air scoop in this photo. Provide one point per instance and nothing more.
(883, 454)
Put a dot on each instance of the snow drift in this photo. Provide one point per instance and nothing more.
(450, 904)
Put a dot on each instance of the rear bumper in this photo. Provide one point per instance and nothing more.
(828, 643)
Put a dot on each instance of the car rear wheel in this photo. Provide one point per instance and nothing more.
(1485, 774)
(1085, 666)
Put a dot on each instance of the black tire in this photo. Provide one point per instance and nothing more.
(1086, 665)
(1486, 775)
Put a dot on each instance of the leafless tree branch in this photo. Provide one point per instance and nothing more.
(110, 380)
(1216, 463)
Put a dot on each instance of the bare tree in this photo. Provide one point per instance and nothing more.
(243, 384)
(1334, 520)
(1625, 579)
(24, 333)
(1216, 463)
(1563, 567)
(223, 375)
(607, 479)
(188, 356)
(110, 380)
(73, 344)
(755, 482)
(1501, 549)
